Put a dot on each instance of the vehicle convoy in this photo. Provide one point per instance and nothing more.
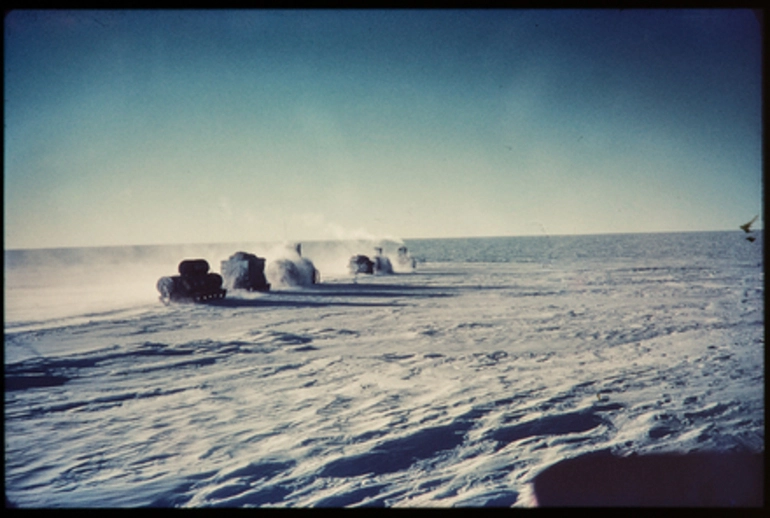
(193, 284)
(244, 271)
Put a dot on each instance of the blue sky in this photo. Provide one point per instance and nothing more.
(164, 127)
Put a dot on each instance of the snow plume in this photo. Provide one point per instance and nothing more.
(325, 230)
(47, 284)
(403, 262)
(286, 267)
(336, 243)
(333, 257)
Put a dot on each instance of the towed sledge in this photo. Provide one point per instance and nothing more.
(193, 284)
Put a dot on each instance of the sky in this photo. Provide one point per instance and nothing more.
(169, 127)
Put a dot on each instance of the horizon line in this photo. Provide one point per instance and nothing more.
(376, 240)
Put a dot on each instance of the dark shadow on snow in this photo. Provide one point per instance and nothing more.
(54, 372)
(103, 402)
(319, 295)
(241, 487)
(361, 289)
(353, 497)
(670, 480)
(399, 454)
(270, 301)
(254, 498)
(549, 425)
(33, 380)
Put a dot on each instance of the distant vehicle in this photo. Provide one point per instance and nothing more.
(404, 259)
(378, 264)
(244, 271)
(381, 263)
(360, 264)
(193, 284)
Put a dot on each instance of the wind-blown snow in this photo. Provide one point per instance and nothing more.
(453, 385)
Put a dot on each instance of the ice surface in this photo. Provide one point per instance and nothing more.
(453, 385)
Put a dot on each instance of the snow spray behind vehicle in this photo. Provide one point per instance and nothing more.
(293, 270)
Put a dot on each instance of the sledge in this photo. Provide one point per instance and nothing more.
(193, 284)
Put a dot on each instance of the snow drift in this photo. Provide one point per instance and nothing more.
(456, 385)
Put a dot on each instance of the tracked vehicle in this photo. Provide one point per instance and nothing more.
(244, 271)
(193, 284)
(404, 259)
(379, 264)
(360, 264)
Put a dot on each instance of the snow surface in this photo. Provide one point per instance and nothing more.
(453, 385)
